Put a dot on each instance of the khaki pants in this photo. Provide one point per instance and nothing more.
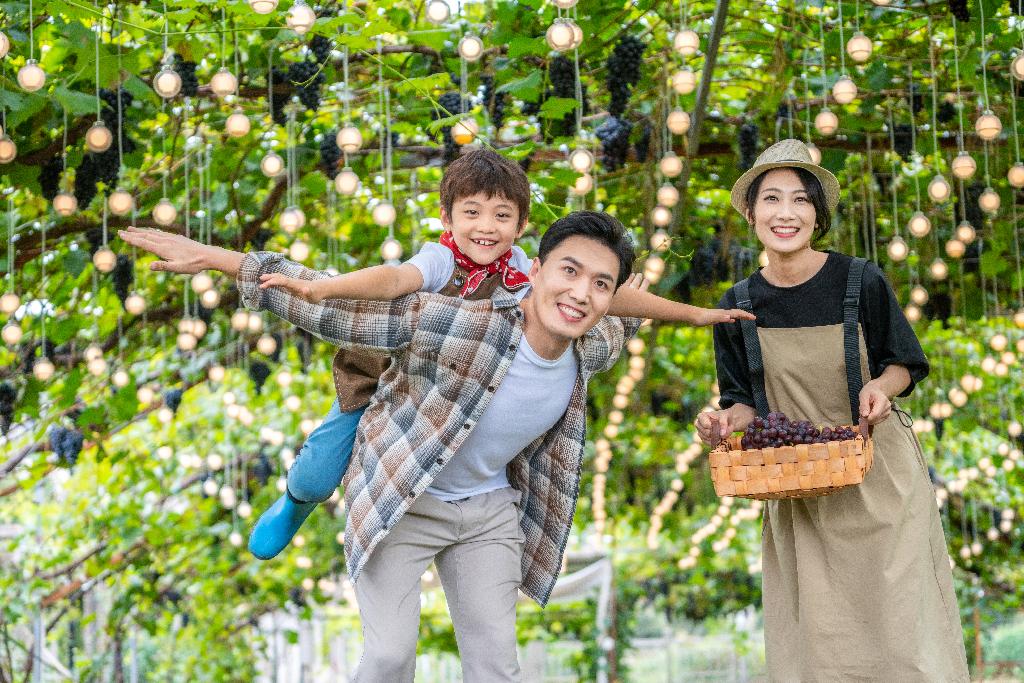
(476, 544)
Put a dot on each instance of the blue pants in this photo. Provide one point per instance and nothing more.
(324, 457)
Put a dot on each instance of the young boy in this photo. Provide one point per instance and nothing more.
(485, 203)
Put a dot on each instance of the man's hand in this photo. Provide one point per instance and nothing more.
(179, 254)
(304, 289)
(714, 316)
(875, 406)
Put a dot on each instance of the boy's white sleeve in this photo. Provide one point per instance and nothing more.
(436, 263)
(520, 261)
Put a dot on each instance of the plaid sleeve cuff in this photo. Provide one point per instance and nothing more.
(253, 265)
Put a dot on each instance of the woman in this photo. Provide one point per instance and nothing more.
(857, 584)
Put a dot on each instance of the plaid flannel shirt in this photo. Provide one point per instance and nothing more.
(450, 356)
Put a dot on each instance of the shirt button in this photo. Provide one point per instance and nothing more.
(466, 426)
(440, 461)
(511, 347)
(412, 494)
(490, 388)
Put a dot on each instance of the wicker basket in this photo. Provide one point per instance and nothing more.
(802, 471)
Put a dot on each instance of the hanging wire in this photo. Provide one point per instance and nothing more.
(98, 29)
(120, 116)
(31, 42)
(984, 60)
(10, 242)
(1013, 205)
(895, 173)
(959, 96)
(824, 65)
(842, 39)
(913, 139)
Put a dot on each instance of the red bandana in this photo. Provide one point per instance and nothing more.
(511, 277)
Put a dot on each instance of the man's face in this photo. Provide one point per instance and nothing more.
(572, 289)
(483, 227)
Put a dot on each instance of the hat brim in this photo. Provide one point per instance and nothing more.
(829, 183)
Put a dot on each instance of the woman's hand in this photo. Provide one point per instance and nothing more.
(304, 289)
(714, 426)
(875, 405)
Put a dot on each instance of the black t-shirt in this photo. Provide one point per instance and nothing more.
(889, 337)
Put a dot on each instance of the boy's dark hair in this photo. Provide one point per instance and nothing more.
(812, 186)
(484, 170)
(595, 225)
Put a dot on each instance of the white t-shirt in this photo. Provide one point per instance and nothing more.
(529, 401)
(437, 263)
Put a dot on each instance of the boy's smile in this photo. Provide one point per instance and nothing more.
(483, 227)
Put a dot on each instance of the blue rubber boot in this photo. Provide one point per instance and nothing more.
(277, 525)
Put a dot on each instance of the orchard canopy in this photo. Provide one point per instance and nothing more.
(146, 416)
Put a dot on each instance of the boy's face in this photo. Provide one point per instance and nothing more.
(483, 227)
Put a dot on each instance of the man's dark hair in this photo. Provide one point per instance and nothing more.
(484, 170)
(595, 225)
(812, 186)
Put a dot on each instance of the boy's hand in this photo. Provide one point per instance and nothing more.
(637, 281)
(714, 316)
(303, 289)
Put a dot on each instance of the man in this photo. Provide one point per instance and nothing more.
(483, 410)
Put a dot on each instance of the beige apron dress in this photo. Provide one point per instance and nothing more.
(856, 585)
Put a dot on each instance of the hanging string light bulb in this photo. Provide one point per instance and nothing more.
(346, 182)
(471, 48)
(31, 76)
(684, 81)
(438, 11)
(678, 121)
(963, 166)
(686, 42)
(263, 6)
(919, 224)
(859, 47)
(988, 126)
(301, 17)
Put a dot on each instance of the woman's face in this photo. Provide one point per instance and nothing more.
(783, 214)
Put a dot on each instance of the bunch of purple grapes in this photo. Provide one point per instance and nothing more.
(776, 430)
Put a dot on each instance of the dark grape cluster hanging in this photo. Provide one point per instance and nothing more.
(105, 167)
(49, 177)
(330, 154)
(494, 102)
(187, 71)
(7, 397)
(258, 373)
(123, 276)
(623, 72)
(642, 146)
(66, 444)
(275, 77)
(172, 399)
(958, 8)
(308, 79)
(748, 142)
(903, 141)
(946, 112)
(321, 47)
(614, 136)
(451, 104)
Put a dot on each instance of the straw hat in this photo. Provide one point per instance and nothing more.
(788, 153)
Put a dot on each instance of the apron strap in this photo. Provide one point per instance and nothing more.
(851, 339)
(755, 364)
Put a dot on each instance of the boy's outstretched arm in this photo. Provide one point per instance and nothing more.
(376, 283)
(632, 302)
